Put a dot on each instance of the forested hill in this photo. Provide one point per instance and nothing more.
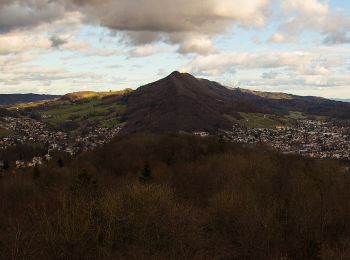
(10, 99)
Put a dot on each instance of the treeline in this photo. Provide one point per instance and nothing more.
(25, 152)
(177, 197)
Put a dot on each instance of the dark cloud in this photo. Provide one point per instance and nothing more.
(22, 14)
(142, 21)
(57, 42)
(337, 37)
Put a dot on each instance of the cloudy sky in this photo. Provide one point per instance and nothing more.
(60, 46)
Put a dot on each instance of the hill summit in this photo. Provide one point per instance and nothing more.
(181, 102)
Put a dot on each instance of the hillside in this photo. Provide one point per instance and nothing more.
(11, 99)
(176, 197)
(181, 102)
(80, 109)
(86, 95)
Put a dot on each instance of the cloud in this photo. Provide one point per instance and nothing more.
(193, 43)
(24, 14)
(23, 77)
(282, 38)
(269, 75)
(293, 62)
(148, 50)
(19, 42)
(57, 42)
(209, 16)
(337, 37)
(305, 7)
(143, 21)
(189, 24)
(303, 15)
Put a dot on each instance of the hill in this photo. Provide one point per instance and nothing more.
(11, 99)
(343, 100)
(181, 102)
(86, 95)
(80, 109)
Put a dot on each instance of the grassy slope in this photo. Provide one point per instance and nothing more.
(258, 120)
(92, 111)
(97, 108)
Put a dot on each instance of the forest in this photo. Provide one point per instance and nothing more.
(150, 196)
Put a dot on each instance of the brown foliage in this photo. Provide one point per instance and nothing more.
(205, 200)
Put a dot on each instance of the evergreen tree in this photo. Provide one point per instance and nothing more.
(36, 172)
(60, 163)
(146, 174)
(6, 165)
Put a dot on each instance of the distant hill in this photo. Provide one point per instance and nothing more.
(181, 102)
(11, 99)
(80, 109)
(342, 100)
(86, 95)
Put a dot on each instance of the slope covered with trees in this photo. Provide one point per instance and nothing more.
(177, 197)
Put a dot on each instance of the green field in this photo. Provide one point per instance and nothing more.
(295, 115)
(94, 111)
(258, 120)
(22, 106)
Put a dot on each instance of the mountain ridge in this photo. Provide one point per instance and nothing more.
(12, 99)
(181, 102)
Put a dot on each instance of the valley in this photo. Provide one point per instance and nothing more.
(179, 103)
(172, 170)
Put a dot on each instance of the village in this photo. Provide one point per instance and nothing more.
(26, 130)
(312, 138)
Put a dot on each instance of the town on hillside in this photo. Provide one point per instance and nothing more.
(323, 139)
(22, 130)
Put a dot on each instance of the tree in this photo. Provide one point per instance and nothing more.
(146, 174)
(84, 183)
(6, 165)
(60, 163)
(36, 172)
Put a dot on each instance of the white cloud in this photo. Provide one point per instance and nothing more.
(305, 7)
(282, 38)
(219, 63)
(287, 68)
(269, 75)
(302, 15)
(148, 50)
(19, 42)
(192, 43)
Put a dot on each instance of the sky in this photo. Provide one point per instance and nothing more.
(60, 46)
